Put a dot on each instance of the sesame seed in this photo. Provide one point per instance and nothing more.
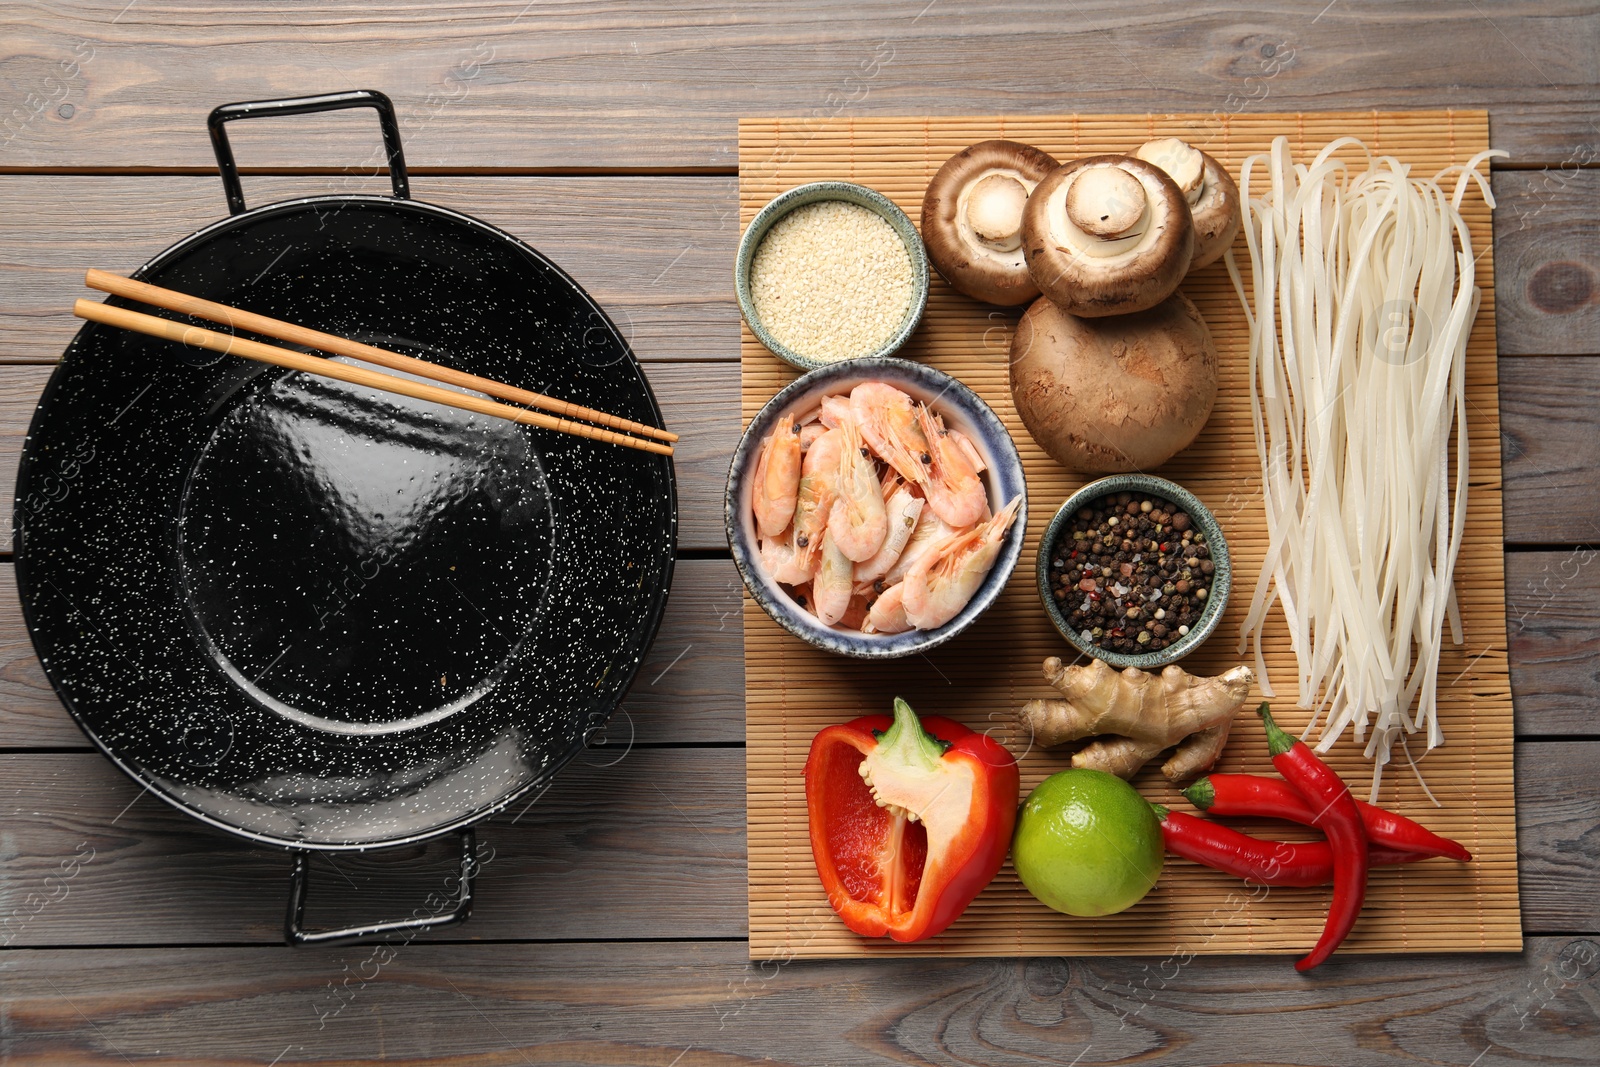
(831, 281)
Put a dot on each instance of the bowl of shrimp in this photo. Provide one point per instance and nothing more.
(875, 508)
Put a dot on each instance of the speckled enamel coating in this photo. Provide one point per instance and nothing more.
(812, 193)
(962, 410)
(319, 616)
(1204, 521)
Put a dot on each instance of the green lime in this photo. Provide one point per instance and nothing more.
(1087, 843)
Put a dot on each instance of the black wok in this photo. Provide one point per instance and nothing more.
(320, 617)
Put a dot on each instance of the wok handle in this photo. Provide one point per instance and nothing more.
(305, 105)
(294, 933)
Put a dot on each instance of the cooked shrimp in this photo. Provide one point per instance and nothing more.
(780, 559)
(902, 511)
(950, 483)
(930, 532)
(831, 589)
(819, 481)
(835, 411)
(888, 614)
(969, 450)
(888, 422)
(855, 616)
(857, 520)
(777, 478)
(809, 434)
(944, 580)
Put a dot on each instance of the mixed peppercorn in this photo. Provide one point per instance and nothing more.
(1131, 574)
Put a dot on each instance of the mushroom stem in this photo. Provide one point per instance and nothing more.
(994, 211)
(1184, 164)
(1107, 202)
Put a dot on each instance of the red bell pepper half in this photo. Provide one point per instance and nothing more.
(909, 819)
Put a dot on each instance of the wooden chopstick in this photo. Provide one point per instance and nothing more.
(327, 368)
(237, 318)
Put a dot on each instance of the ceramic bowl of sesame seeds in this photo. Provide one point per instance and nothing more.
(831, 271)
(1133, 569)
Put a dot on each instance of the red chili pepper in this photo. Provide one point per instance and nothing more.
(1276, 863)
(1336, 815)
(1250, 794)
(907, 828)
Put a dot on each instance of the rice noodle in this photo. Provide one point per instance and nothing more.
(1361, 297)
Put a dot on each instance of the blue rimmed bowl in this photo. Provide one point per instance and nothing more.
(962, 410)
(1203, 521)
(815, 193)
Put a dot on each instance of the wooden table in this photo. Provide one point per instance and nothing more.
(611, 920)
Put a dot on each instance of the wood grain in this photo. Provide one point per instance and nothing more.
(508, 84)
(608, 85)
(1558, 841)
(1547, 252)
(656, 253)
(690, 687)
(1554, 632)
(697, 399)
(1552, 456)
(703, 1005)
(1550, 448)
(629, 843)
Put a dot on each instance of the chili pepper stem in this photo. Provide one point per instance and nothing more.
(1201, 794)
(1278, 742)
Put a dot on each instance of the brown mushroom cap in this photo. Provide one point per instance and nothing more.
(1107, 235)
(972, 217)
(1213, 197)
(1216, 215)
(1116, 393)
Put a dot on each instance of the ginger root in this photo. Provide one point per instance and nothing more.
(1146, 713)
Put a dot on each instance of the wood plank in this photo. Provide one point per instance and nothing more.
(1547, 258)
(629, 843)
(1558, 810)
(1550, 449)
(689, 689)
(561, 85)
(1551, 454)
(656, 253)
(699, 401)
(698, 1005)
(1554, 632)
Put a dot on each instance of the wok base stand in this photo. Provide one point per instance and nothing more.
(295, 933)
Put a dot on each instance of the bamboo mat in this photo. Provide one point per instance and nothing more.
(794, 690)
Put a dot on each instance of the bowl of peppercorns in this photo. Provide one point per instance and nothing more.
(1134, 570)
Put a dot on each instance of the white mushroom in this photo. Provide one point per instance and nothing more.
(972, 219)
(1107, 235)
(1210, 190)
